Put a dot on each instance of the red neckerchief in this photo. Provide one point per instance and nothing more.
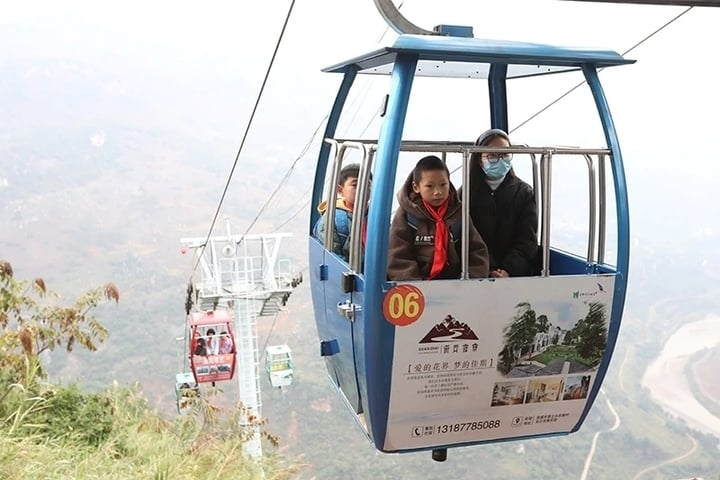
(441, 237)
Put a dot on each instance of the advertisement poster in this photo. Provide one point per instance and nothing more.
(491, 359)
(213, 368)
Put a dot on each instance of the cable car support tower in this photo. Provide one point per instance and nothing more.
(245, 273)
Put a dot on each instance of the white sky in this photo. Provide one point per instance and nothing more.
(663, 106)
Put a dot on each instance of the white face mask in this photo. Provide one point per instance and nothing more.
(496, 169)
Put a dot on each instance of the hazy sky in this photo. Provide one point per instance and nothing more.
(668, 86)
(663, 106)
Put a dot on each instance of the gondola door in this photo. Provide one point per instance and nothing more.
(337, 275)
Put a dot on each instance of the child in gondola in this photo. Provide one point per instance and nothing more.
(425, 234)
(344, 211)
(226, 343)
(200, 347)
(212, 344)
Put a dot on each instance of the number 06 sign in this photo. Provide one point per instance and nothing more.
(403, 305)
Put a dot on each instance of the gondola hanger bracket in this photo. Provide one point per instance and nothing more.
(454, 30)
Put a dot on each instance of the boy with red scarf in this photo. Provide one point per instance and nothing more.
(422, 244)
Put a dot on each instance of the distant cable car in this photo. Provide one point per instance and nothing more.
(279, 365)
(187, 391)
(427, 365)
(212, 345)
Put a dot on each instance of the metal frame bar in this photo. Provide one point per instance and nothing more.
(542, 185)
(602, 208)
(390, 13)
(592, 207)
(368, 152)
(545, 183)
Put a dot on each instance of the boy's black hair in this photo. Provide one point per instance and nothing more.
(351, 170)
(425, 164)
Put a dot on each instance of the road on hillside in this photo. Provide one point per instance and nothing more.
(679, 458)
(593, 446)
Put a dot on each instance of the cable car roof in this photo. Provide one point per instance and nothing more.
(185, 377)
(277, 349)
(212, 317)
(446, 56)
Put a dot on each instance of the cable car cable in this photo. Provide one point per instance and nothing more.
(532, 117)
(189, 300)
(317, 129)
(301, 209)
(267, 337)
(352, 120)
(305, 204)
(272, 326)
(572, 89)
(247, 129)
(599, 70)
(305, 149)
(282, 181)
(536, 114)
(289, 171)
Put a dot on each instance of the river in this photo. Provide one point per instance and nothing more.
(666, 378)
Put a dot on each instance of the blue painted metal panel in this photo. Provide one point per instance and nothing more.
(326, 272)
(623, 220)
(341, 366)
(379, 335)
(316, 257)
(498, 96)
(563, 263)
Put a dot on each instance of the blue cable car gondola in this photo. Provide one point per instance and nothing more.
(212, 345)
(427, 365)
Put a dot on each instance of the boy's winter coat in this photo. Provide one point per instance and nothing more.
(343, 226)
(412, 243)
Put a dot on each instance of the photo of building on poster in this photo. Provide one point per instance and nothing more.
(544, 361)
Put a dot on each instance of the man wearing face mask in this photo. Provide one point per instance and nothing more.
(503, 209)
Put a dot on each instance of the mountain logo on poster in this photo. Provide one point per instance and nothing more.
(449, 330)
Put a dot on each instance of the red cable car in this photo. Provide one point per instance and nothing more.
(212, 345)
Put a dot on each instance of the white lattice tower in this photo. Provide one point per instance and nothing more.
(248, 366)
(244, 271)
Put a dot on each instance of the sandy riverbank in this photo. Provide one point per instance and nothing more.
(666, 377)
